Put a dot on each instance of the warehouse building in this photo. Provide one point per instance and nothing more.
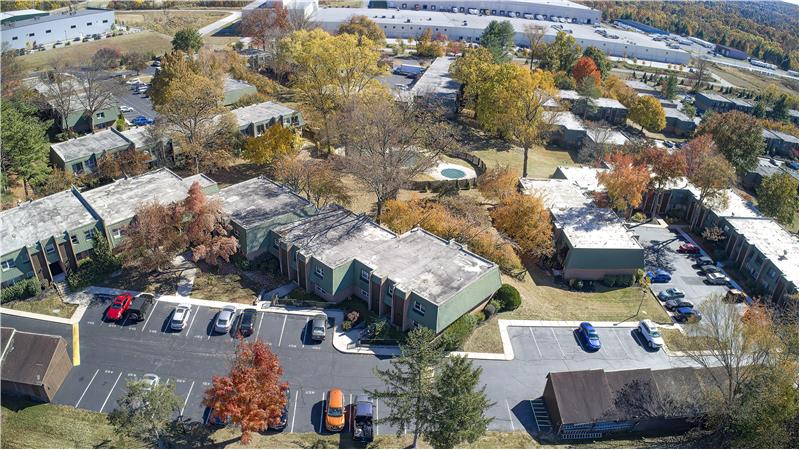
(643, 27)
(571, 12)
(34, 365)
(730, 52)
(36, 29)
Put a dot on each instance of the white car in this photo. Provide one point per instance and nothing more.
(125, 108)
(180, 316)
(225, 319)
(649, 330)
(151, 380)
(133, 81)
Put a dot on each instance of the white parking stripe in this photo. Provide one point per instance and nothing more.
(377, 423)
(294, 410)
(280, 339)
(191, 322)
(559, 344)
(351, 414)
(258, 330)
(320, 412)
(87, 387)
(510, 418)
(187, 397)
(109, 392)
(303, 334)
(536, 343)
(149, 315)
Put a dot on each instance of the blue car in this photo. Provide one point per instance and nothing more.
(141, 120)
(588, 336)
(687, 314)
(659, 276)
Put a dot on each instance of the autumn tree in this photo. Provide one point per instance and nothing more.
(498, 38)
(11, 72)
(534, 34)
(648, 113)
(695, 151)
(26, 149)
(93, 93)
(58, 181)
(737, 136)
(252, 394)
(698, 73)
(526, 221)
(266, 26)
(206, 227)
(187, 40)
(625, 182)
(107, 58)
(321, 183)
(428, 47)
(600, 59)
(276, 142)
(152, 239)
(137, 61)
(388, 143)
(615, 88)
(145, 412)
(497, 182)
(473, 71)
(777, 197)
(562, 53)
(363, 26)
(712, 179)
(585, 68)
(666, 169)
(128, 162)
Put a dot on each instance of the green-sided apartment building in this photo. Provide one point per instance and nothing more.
(255, 119)
(77, 119)
(81, 154)
(234, 90)
(414, 279)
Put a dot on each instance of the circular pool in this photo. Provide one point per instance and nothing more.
(453, 174)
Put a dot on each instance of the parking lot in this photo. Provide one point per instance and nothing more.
(661, 252)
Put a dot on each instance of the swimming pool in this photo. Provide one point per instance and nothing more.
(453, 174)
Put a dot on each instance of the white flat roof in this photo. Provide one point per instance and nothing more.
(89, 144)
(591, 227)
(556, 193)
(437, 80)
(583, 177)
(774, 242)
(607, 136)
(261, 112)
(567, 120)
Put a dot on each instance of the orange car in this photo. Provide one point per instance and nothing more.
(334, 411)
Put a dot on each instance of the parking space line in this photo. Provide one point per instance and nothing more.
(149, 316)
(109, 392)
(87, 387)
(191, 322)
(258, 330)
(187, 397)
(321, 409)
(510, 418)
(377, 423)
(280, 339)
(294, 410)
(623, 345)
(536, 343)
(350, 419)
(558, 343)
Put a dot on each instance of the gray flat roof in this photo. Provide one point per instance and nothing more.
(639, 85)
(773, 241)
(139, 136)
(437, 80)
(232, 84)
(54, 17)
(118, 201)
(676, 113)
(261, 112)
(565, 119)
(739, 101)
(37, 220)
(604, 102)
(591, 227)
(556, 193)
(714, 96)
(257, 200)
(785, 137)
(568, 94)
(607, 136)
(94, 143)
(766, 168)
(583, 177)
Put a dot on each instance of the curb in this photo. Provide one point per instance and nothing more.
(37, 316)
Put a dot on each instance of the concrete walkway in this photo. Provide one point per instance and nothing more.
(280, 291)
(221, 23)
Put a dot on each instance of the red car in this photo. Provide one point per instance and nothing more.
(118, 308)
(690, 249)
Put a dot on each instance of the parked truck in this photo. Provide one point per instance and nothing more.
(362, 424)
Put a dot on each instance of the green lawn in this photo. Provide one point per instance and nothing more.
(542, 162)
(168, 22)
(47, 302)
(227, 288)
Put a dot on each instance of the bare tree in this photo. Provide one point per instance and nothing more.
(534, 34)
(597, 144)
(298, 20)
(698, 72)
(265, 26)
(642, 399)
(60, 92)
(93, 94)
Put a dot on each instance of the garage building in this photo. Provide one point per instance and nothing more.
(34, 365)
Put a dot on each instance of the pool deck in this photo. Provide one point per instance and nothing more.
(436, 172)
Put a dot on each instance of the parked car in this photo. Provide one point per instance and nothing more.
(225, 319)
(247, 322)
(133, 81)
(710, 268)
(703, 261)
(140, 307)
(588, 336)
(141, 120)
(214, 420)
(151, 380)
(118, 308)
(717, 278)
(689, 249)
(674, 304)
(671, 293)
(649, 330)
(334, 411)
(180, 316)
(280, 426)
(659, 276)
(319, 326)
(735, 296)
(362, 422)
(687, 315)
(125, 108)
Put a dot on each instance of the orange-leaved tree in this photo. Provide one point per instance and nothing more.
(585, 67)
(625, 182)
(206, 227)
(667, 168)
(526, 221)
(252, 395)
(497, 182)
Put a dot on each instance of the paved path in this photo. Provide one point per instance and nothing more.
(221, 23)
(280, 291)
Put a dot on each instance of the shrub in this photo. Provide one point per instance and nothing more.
(508, 297)
(458, 332)
(352, 316)
(625, 280)
(21, 290)
(490, 310)
(610, 280)
(639, 217)
(480, 316)
(347, 325)
(100, 265)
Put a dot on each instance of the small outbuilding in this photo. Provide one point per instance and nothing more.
(34, 365)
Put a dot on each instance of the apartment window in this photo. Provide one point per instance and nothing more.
(88, 234)
(100, 115)
(419, 308)
(364, 274)
(50, 248)
(390, 291)
(74, 239)
(319, 272)
(73, 27)
(771, 273)
(91, 164)
(32, 35)
(105, 21)
(321, 291)
(88, 24)
(77, 167)
(116, 233)
(48, 31)
(275, 244)
(8, 264)
(14, 38)
(364, 293)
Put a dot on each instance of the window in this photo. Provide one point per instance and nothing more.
(88, 24)
(320, 290)
(100, 115)
(88, 234)
(319, 272)
(50, 248)
(32, 35)
(14, 38)
(364, 293)
(77, 167)
(275, 244)
(91, 163)
(390, 291)
(364, 274)
(72, 26)
(48, 31)
(8, 264)
(419, 308)
(235, 232)
(116, 233)
(105, 21)
(74, 239)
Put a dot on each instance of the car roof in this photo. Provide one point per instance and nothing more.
(685, 310)
(587, 325)
(229, 308)
(335, 398)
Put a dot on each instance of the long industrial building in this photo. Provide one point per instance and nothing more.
(39, 28)
(508, 8)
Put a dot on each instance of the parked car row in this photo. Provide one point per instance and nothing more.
(590, 339)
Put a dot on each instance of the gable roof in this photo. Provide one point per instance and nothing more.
(27, 356)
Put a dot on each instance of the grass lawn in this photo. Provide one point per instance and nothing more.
(168, 21)
(29, 425)
(542, 302)
(677, 341)
(164, 283)
(229, 287)
(752, 80)
(542, 162)
(47, 302)
(145, 41)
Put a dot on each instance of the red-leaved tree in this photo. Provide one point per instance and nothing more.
(252, 395)
(666, 167)
(585, 67)
(206, 227)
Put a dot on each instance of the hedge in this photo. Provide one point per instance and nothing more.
(22, 290)
(508, 297)
(457, 333)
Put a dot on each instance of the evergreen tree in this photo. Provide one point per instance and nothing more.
(409, 393)
(670, 87)
(780, 109)
(145, 412)
(25, 145)
(498, 38)
(460, 405)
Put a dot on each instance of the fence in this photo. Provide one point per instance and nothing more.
(446, 185)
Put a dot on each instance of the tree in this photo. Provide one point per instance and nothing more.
(666, 169)
(562, 53)
(616, 88)
(388, 143)
(759, 110)
(777, 197)
(363, 26)
(535, 36)
(648, 113)
(670, 87)
(497, 182)
(696, 151)
(737, 136)
(276, 142)
(136, 61)
(145, 413)
(252, 394)
(713, 180)
(526, 221)
(206, 226)
(128, 162)
(780, 109)
(428, 47)
(56, 182)
(625, 182)
(26, 149)
(409, 383)
(11, 72)
(153, 238)
(600, 60)
(587, 87)
(697, 74)
(107, 58)
(266, 26)
(60, 92)
(474, 71)
(498, 38)
(585, 68)
(460, 405)
(93, 93)
(187, 40)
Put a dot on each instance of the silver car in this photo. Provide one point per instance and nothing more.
(151, 380)
(180, 317)
(225, 319)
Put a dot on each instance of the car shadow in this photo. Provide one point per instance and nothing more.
(317, 419)
(210, 327)
(165, 326)
(579, 342)
(641, 341)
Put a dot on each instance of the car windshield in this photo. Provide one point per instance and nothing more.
(655, 333)
(223, 320)
(335, 412)
(592, 334)
(319, 330)
(117, 304)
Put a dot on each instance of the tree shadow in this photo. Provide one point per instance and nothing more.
(659, 255)
(186, 433)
